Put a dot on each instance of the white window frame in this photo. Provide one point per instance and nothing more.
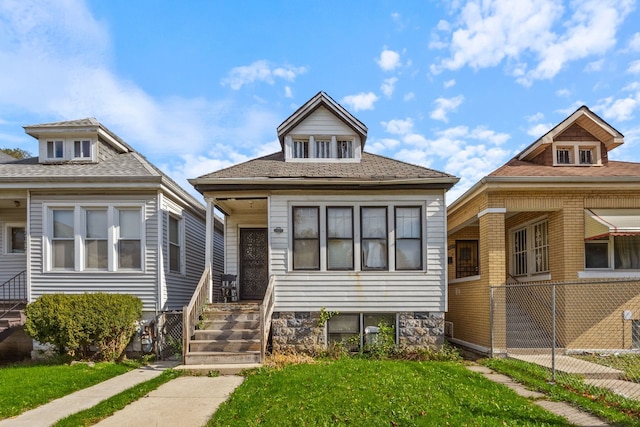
(530, 250)
(180, 244)
(322, 147)
(300, 148)
(80, 232)
(344, 146)
(69, 150)
(575, 148)
(8, 227)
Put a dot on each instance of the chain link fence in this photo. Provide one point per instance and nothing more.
(587, 331)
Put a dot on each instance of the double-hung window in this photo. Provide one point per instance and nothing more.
(301, 149)
(306, 238)
(373, 224)
(340, 238)
(63, 239)
(175, 244)
(530, 249)
(96, 239)
(408, 238)
(323, 148)
(129, 241)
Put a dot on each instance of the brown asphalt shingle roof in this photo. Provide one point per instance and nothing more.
(519, 168)
(371, 167)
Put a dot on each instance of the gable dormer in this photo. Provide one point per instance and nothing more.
(582, 139)
(76, 141)
(322, 131)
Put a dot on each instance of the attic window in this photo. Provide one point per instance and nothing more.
(323, 148)
(563, 156)
(345, 149)
(82, 149)
(301, 149)
(586, 156)
(55, 149)
(61, 150)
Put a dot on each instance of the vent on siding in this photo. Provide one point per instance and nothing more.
(448, 329)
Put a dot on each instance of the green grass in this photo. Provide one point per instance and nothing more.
(24, 387)
(358, 392)
(107, 407)
(628, 363)
(571, 389)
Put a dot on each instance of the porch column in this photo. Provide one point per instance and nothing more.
(208, 250)
(493, 268)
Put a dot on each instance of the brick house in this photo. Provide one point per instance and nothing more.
(559, 211)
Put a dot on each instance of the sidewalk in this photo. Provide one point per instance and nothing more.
(184, 401)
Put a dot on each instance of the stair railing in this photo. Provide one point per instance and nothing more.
(191, 313)
(13, 292)
(266, 311)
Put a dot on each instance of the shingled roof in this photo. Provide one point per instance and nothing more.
(520, 168)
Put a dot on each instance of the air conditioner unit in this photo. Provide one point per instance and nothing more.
(448, 329)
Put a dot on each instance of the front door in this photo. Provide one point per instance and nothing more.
(254, 271)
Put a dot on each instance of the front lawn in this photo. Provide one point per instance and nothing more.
(24, 387)
(359, 392)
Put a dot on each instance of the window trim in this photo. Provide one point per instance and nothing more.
(386, 240)
(530, 249)
(575, 148)
(180, 244)
(361, 327)
(8, 227)
(294, 239)
(611, 256)
(420, 237)
(352, 238)
(79, 236)
(69, 149)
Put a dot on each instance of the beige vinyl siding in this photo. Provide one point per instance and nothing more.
(11, 264)
(322, 122)
(142, 284)
(178, 287)
(362, 291)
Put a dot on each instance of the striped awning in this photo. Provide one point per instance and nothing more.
(601, 223)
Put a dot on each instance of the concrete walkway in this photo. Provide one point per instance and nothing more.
(570, 413)
(184, 401)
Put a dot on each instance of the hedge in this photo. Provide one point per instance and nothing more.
(95, 325)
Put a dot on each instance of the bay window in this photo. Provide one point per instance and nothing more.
(408, 238)
(374, 238)
(340, 238)
(306, 238)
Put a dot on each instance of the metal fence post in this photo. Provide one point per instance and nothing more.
(553, 333)
(491, 318)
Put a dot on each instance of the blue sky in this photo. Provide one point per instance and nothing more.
(459, 85)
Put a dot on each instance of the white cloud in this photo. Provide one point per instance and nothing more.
(389, 86)
(288, 93)
(619, 110)
(444, 106)
(535, 38)
(260, 71)
(389, 60)
(634, 67)
(634, 42)
(594, 66)
(535, 117)
(360, 101)
(398, 127)
(563, 92)
(539, 129)
(449, 83)
(409, 96)
(381, 145)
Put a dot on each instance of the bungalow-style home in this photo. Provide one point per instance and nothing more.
(323, 227)
(90, 214)
(559, 212)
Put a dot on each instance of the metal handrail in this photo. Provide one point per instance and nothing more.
(191, 312)
(13, 292)
(266, 311)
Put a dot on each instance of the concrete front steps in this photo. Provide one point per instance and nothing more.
(13, 317)
(228, 336)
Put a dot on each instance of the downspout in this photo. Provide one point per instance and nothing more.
(208, 250)
(28, 241)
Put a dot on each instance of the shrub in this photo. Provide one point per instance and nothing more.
(75, 324)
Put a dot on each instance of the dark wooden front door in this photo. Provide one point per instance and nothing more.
(254, 272)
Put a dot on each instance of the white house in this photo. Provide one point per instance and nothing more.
(333, 227)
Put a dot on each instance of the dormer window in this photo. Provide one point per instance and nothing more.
(563, 156)
(55, 150)
(301, 149)
(345, 149)
(577, 154)
(586, 156)
(323, 148)
(82, 149)
(68, 150)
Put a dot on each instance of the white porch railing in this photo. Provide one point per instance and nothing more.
(266, 311)
(191, 313)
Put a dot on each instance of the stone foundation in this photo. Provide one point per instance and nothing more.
(299, 331)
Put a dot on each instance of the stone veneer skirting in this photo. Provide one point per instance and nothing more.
(299, 330)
